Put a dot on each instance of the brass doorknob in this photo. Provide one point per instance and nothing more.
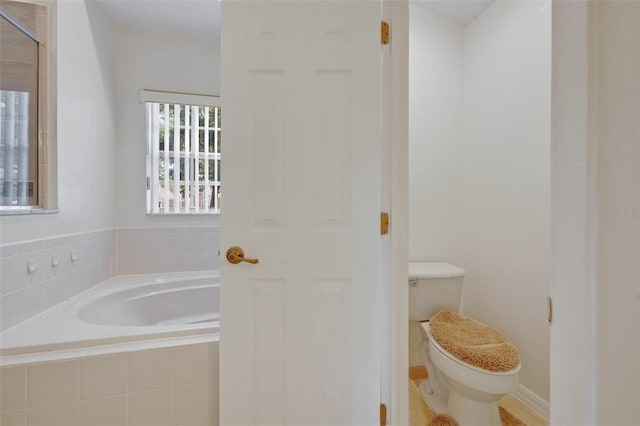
(235, 255)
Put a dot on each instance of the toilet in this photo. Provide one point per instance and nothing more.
(462, 383)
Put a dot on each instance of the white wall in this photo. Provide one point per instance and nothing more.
(480, 166)
(435, 138)
(435, 132)
(615, 127)
(596, 207)
(574, 211)
(146, 60)
(506, 174)
(85, 138)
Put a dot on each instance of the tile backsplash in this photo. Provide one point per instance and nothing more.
(147, 250)
(37, 275)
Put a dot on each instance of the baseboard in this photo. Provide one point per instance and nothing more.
(537, 404)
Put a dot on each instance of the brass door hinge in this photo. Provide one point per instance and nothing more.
(384, 223)
(383, 415)
(384, 32)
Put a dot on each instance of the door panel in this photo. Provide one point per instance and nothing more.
(301, 99)
(268, 147)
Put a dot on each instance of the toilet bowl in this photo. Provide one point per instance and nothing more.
(466, 392)
(457, 384)
(433, 286)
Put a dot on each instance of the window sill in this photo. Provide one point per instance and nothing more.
(21, 211)
(180, 214)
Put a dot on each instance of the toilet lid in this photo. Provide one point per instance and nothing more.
(473, 342)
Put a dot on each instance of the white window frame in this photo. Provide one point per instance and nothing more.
(151, 99)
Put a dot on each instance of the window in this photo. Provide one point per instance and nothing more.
(22, 106)
(183, 158)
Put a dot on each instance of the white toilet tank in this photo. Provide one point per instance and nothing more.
(433, 286)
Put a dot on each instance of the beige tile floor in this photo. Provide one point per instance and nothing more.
(420, 414)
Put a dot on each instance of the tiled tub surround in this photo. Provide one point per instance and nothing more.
(61, 369)
(168, 381)
(37, 275)
(150, 250)
(172, 386)
(128, 310)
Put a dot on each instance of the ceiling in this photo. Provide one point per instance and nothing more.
(187, 18)
(462, 12)
(201, 18)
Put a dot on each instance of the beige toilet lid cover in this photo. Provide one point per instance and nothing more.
(473, 342)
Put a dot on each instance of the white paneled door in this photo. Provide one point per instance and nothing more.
(301, 182)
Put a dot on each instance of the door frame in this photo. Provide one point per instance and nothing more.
(574, 213)
(573, 221)
(594, 280)
(396, 13)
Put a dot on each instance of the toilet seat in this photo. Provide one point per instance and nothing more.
(471, 392)
(471, 375)
(472, 343)
(457, 360)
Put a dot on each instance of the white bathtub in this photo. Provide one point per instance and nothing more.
(120, 315)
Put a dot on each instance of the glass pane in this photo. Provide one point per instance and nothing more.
(201, 196)
(170, 201)
(181, 197)
(161, 170)
(180, 114)
(201, 141)
(161, 201)
(201, 169)
(171, 176)
(161, 121)
(212, 117)
(212, 175)
(211, 200)
(18, 117)
(171, 138)
(212, 147)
